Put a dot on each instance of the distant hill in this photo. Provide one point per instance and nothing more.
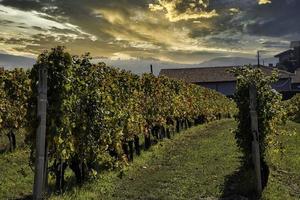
(140, 66)
(11, 61)
(235, 61)
(143, 66)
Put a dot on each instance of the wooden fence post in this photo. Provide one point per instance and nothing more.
(255, 142)
(40, 165)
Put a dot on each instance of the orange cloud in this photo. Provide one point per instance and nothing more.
(260, 2)
(177, 10)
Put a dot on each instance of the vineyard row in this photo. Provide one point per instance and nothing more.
(97, 115)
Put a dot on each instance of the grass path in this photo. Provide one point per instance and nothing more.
(191, 166)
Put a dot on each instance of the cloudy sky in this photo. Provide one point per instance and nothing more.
(182, 31)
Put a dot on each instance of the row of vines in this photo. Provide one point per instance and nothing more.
(272, 112)
(98, 115)
(14, 92)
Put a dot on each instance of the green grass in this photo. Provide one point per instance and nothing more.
(284, 179)
(16, 177)
(202, 162)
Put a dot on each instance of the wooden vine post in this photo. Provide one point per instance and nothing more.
(40, 158)
(255, 141)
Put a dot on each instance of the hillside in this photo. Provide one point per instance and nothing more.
(12, 61)
(139, 66)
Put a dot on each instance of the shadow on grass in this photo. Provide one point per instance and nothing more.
(2, 151)
(27, 197)
(240, 185)
(3, 145)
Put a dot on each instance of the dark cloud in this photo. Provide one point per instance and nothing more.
(6, 22)
(224, 41)
(38, 28)
(18, 41)
(279, 44)
(25, 4)
(280, 18)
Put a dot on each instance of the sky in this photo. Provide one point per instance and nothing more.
(181, 31)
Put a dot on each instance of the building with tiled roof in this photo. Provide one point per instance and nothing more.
(221, 80)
